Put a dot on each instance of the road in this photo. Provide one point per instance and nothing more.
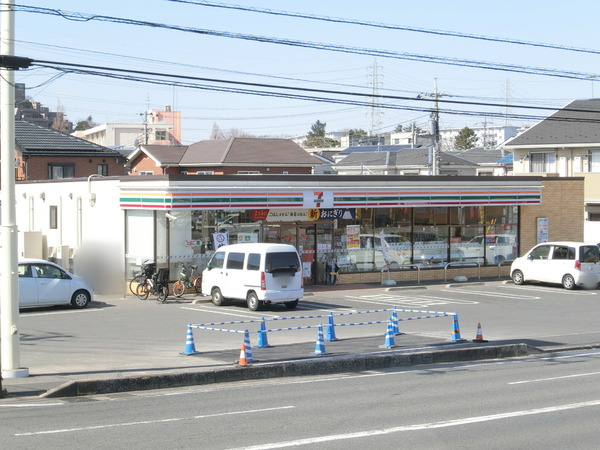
(534, 402)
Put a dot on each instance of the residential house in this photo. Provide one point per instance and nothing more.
(45, 154)
(223, 157)
(490, 162)
(405, 161)
(566, 144)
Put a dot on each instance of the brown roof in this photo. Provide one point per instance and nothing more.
(165, 154)
(236, 151)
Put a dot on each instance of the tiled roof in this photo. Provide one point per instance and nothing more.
(33, 140)
(166, 154)
(407, 157)
(375, 149)
(576, 123)
(236, 151)
(479, 155)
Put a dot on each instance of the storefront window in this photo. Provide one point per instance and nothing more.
(363, 239)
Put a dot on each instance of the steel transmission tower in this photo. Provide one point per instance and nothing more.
(375, 112)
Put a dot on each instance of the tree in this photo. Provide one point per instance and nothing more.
(317, 129)
(216, 132)
(408, 128)
(466, 139)
(357, 132)
(85, 124)
(315, 138)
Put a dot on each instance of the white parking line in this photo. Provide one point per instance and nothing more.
(222, 312)
(557, 289)
(54, 313)
(491, 294)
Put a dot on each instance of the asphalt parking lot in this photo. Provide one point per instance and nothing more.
(121, 338)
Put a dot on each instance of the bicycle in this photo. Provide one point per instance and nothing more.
(187, 281)
(146, 271)
(157, 284)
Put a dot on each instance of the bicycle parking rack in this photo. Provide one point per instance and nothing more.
(462, 264)
(387, 268)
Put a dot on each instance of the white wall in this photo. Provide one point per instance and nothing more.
(93, 234)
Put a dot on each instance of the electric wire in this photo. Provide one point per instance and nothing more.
(80, 17)
(387, 26)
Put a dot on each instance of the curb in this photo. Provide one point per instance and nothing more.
(318, 366)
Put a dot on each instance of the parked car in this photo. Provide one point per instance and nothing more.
(498, 248)
(571, 264)
(43, 283)
(258, 273)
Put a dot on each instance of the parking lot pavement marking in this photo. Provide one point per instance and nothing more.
(223, 312)
(410, 301)
(554, 289)
(54, 313)
(492, 294)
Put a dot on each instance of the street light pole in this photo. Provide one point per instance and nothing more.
(9, 286)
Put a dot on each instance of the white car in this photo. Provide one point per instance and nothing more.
(568, 263)
(43, 283)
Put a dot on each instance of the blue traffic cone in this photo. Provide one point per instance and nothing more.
(190, 348)
(248, 347)
(456, 331)
(395, 328)
(330, 334)
(262, 335)
(320, 346)
(389, 336)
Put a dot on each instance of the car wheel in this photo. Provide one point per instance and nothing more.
(292, 304)
(517, 277)
(217, 297)
(178, 289)
(80, 299)
(568, 282)
(498, 259)
(254, 303)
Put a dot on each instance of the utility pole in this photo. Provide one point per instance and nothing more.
(10, 360)
(434, 126)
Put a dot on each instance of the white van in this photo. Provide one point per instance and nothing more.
(257, 273)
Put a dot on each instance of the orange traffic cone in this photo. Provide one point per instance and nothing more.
(242, 361)
(479, 336)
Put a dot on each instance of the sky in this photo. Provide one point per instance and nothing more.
(104, 36)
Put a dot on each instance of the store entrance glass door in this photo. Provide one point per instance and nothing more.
(307, 248)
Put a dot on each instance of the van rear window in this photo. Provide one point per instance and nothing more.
(589, 253)
(282, 261)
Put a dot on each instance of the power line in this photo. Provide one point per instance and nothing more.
(80, 17)
(261, 89)
(388, 26)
